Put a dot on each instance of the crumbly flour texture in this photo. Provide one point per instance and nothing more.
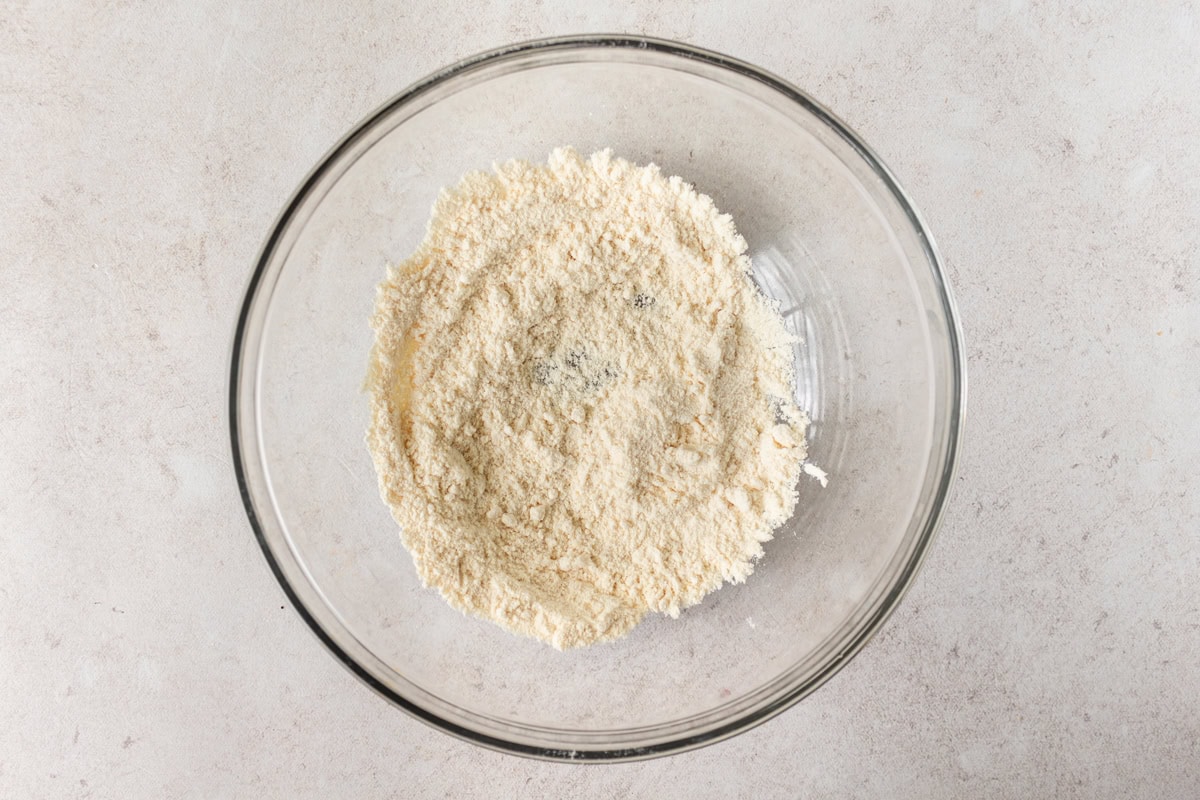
(581, 405)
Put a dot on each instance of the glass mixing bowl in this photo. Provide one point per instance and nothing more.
(880, 369)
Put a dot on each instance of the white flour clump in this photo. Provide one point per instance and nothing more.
(581, 404)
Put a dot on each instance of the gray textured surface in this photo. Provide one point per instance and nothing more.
(1051, 644)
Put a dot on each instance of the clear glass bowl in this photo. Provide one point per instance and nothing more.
(832, 237)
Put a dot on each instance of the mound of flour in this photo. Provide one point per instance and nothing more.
(581, 404)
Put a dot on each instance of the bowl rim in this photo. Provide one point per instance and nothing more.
(956, 416)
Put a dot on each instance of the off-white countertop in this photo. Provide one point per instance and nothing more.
(1049, 648)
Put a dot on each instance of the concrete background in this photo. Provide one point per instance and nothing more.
(1051, 645)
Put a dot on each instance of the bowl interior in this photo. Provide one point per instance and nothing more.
(829, 238)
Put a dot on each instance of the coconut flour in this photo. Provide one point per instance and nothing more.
(582, 406)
